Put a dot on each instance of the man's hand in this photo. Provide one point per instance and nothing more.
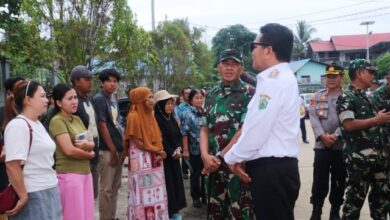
(114, 159)
(19, 206)
(328, 139)
(210, 164)
(382, 117)
(239, 170)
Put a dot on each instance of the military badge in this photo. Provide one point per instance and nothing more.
(274, 74)
(263, 102)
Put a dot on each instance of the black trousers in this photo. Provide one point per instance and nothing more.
(274, 187)
(303, 129)
(328, 161)
(197, 179)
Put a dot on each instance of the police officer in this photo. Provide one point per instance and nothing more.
(328, 156)
(361, 121)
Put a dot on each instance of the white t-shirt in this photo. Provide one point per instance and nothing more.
(38, 172)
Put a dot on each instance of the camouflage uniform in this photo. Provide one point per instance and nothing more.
(364, 157)
(382, 97)
(225, 108)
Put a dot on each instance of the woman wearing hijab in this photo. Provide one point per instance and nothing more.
(163, 112)
(147, 192)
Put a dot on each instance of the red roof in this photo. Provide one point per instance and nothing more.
(319, 45)
(349, 42)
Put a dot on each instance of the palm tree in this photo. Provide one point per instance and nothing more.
(302, 36)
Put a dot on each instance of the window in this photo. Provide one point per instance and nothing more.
(305, 79)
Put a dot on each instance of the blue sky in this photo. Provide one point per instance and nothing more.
(330, 17)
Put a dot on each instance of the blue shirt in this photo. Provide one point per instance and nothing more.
(190, 127)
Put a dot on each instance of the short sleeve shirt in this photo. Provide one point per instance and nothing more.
(225, 108)
(72, 126)
(355, 104)
(107, 111)
(190, 127)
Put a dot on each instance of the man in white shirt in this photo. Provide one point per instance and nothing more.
(269, 140)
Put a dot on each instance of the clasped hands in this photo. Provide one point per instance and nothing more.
(212, 163)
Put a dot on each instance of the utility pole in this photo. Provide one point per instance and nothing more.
(153, 22)
(367, 23)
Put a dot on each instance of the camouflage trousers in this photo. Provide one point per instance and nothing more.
(364, 172)
(229, 197)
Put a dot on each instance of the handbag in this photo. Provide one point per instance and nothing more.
(9, 197)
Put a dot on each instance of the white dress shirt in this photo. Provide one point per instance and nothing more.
(271, 126)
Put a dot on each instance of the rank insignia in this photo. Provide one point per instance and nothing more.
(263, 102)
(274, 74)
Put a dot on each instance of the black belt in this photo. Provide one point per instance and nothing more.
(268, 160)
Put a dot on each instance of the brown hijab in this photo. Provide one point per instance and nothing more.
(141, 123)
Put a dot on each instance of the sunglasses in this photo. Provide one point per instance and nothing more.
(263, 44)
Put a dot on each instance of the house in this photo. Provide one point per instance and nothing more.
(308, 73)
(341, 49)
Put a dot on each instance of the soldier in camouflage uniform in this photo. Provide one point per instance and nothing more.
(382, 97)
(364, 155)
(328, 156)
(224, 111)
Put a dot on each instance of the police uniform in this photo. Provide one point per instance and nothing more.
(224, 111)
(363, 153)
(269, 143)
(327, 160)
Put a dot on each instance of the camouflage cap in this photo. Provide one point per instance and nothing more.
(361, 64)
(334, 69)
(231, 54)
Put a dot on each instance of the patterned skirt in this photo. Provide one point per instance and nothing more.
(147, 191)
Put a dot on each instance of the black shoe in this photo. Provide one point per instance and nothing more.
(306, 142)
(204, 200)
(196, 203)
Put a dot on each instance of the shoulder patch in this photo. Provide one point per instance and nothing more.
(263, 102)
(274, 74)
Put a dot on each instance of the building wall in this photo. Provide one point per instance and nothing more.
(312, 69)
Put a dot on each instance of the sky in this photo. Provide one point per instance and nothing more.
(328, 17)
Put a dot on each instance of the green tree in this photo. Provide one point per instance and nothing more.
(234, 37)
(302, 36)
(383, 65)
(89, 32)
(183, 59)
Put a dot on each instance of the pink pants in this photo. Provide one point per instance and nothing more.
(76, 192)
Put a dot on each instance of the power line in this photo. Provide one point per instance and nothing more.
(349, 15)
(312, 13)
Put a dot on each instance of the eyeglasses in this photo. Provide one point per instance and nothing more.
(263, 44)
(28, 85)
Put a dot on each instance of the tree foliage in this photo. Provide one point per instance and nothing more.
(302, 36)
(183, 59)
(53, 36)
(234, 37)
(383, 65)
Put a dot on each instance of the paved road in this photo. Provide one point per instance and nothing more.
(302, 208)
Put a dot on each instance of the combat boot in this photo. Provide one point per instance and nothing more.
(317, 211)
(334, 213)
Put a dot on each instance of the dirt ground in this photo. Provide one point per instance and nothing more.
(302, 207)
